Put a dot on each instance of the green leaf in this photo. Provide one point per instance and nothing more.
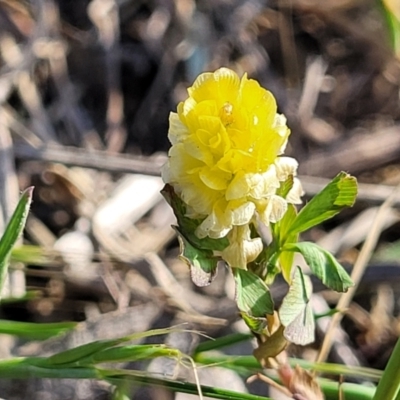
(295, 312)
(35, 331)
(323, 264)
(13, 231)
(255, 324)
(252, 294)
(341, 192)
(282, 227)
(202, 263)
(197, 253)
(286, 263)
(187, 226)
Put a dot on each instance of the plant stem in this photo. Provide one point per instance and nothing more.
(389, 385)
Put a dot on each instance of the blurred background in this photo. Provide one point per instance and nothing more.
(86, 88)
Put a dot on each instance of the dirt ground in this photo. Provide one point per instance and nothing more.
(86, 88)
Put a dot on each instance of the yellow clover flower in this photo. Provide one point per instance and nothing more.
(226, 138)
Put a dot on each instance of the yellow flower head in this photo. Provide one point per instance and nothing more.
(226, 138)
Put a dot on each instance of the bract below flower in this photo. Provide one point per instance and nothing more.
(224, 161)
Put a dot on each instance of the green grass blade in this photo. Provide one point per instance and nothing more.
(224, 341)
(38, 367)
(131, 353)
(252, 365)
(34, 331)
(80, 353)
(338, 369)
(13, 231)
(244, 365)
(182, 387)
(350, 391)
(389, 385)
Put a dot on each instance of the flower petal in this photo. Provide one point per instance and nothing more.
(177, 130)
(226, 137)
(277, 208)
(197, 150)
(285, 166)
(241, 214)
(282, 130)
(241, 249)
(267, 185)
(221, 85)
(213, 227)
(238, 188)
(272, 209)
(214, 178)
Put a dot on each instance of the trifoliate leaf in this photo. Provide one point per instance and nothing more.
(341, 192)
(197, 253)
(323, 264)
(202, 263)
(296, 313)
(252, 294)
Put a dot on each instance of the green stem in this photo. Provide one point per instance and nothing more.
(350, 391)
(272, 268)
(248, 364)
(389, 385)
